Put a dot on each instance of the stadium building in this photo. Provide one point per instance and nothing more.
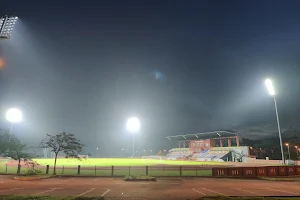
(219, 146)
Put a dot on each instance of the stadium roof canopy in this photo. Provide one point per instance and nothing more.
(206, 135)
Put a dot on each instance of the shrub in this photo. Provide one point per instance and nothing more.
(33, 172)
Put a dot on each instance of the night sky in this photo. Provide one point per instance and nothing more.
(180, 66)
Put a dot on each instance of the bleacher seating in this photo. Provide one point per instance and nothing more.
(211, 155)
(218, 154)
(178, 154)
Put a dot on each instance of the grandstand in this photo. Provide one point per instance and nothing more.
(220, 146)
(178, 154)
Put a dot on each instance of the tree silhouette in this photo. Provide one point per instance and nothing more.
(62, 142)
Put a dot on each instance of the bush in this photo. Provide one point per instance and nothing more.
(140, 178)
(31, 172)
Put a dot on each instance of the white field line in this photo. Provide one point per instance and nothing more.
(181, 179)
(248, 191)
(95, 179)
(198, 191)
(45, 191)
(107, 190)
(214, 192)
(86, 192)
(10, 189)
(281, 191)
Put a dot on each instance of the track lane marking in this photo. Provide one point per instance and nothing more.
(107, 190)
(281, 191)
(248, 191)
(10, 189)
(214, 192)
(86, 192)
(46, 191)
(198, 192)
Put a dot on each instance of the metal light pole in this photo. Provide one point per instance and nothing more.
(132, 144)
(271, 90)
(6, 26)
(133, 125)
(297, 152)
(288, 146)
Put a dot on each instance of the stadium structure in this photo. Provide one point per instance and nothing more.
(219, 146)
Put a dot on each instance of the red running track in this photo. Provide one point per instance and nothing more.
(164, 188)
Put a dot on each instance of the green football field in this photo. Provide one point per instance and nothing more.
(102, 162)
(117, 167)
(128, 166)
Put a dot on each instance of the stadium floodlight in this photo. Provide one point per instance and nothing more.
(271, 91)
(6, 26)
(270, 87)
(13, 115)
(133, 125)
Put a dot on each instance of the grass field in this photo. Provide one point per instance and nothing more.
(122, 167)
(2, 165)
(127, 166)
(103, 162)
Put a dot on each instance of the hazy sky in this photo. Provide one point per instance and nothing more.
(180, 66)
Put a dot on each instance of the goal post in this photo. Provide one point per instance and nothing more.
(150, 159)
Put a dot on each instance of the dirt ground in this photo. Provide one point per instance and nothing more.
(163, 188)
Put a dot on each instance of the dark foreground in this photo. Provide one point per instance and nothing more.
(164, 188)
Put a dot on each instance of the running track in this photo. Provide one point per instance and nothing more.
(164, 188)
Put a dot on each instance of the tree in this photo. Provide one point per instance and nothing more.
(4, 141)
(62, 142)
(17, 151)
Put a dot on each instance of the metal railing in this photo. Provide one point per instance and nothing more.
(114, 170)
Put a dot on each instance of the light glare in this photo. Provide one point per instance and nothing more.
(14, 115)
(270, 87)
(133, 125)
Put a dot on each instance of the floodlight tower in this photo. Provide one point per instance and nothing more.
(271, 91)
(6, 26)
(133, 125)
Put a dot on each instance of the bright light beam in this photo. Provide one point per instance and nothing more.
(14, 115)
(133, 125)
(270, 87)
